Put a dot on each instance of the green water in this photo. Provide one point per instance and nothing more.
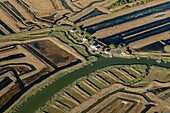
(42, 97)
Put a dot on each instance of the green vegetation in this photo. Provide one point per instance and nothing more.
(76, 95)
(96, 82)
(112, 46)
(27, 35)
(92, 58)
(107, 78)
(69, 39)
(61, 98)
(120, 75)
(86, 33)
(52, 109)
(125, 4)
(86, 88)
(60, 36)
(140, 84)
(158, 74)
(133, 72)
(81, 49)
(92, 39)
(102, 78)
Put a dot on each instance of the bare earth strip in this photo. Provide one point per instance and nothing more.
(6, 18)
(81, 14)
(120, 13)
(21, 9)
(4, 30)
(11, 76)
(136, 98)
(72, 5)
(59, 4)
(41, 7)
(88, 10)
(128, 25)
(149, 40)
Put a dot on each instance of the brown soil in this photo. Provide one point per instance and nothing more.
(167, 48)
(21, 9)
(41, 7)
(51, 51)
(19, 68)
(8, 95)
(136, 98)
(8, 20)
(29, 59)
(35, 77)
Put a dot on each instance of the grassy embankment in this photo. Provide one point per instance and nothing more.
(124, 4)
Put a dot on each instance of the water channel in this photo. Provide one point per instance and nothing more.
(42, 97)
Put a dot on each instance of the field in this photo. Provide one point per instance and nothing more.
(18, 66)
(101, 91)
(42, 8)
(53, 52)
(18, 15)
(25, 63)
(42, 42)
(136, 27)
(114, 89)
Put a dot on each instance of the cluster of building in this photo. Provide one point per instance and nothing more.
(99, 47)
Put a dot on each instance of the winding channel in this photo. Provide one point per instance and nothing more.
(42, 97)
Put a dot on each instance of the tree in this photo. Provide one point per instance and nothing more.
(92, 38)
(112, 46)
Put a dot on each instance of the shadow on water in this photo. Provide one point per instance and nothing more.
(1, 32)
(11, 57)
(118, 38)
(64, 3)
(14, 9)
(6, 27)
(157, 46)
(92, 14)
(15, 16)
(148, 34)
(128, 17)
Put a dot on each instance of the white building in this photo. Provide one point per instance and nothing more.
(94, 47)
